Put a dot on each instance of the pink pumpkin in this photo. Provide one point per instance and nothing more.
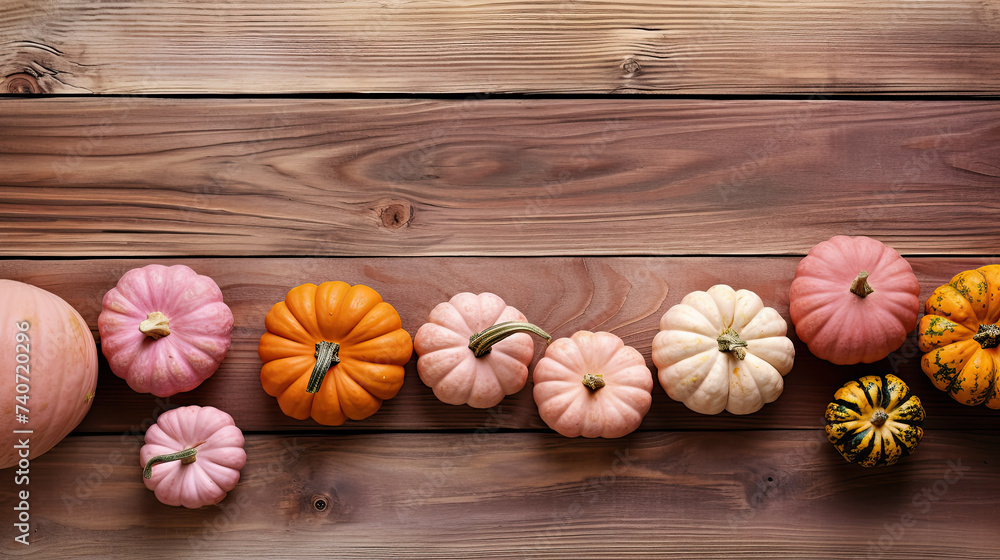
(474, 350)
(193, 456)
(592, 385)
(164, 329)
(853, 300)
(49, 362)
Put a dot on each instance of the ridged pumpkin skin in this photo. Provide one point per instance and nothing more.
(60, 366)
(696, 369)
(875, 421)
(197, 322)
(373, 348)
(215, 468)
(572, 408)
(448, 365)
(959, 334)
(840, 326)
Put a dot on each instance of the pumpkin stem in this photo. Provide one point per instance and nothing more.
(988, 336)
(879, 418)
(155, 326)
(594, 381)
(481, 342)
(327, 356)
(730, 341)
(860, 285)
(186, 457)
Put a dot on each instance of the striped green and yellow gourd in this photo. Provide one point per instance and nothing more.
(874, 421)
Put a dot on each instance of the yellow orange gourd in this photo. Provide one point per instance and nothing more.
(960, 335)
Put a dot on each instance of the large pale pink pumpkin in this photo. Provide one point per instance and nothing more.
(475, 350)
(49, 370)
(192, 456)
(164, 329)
(592, 385)
(853, 300)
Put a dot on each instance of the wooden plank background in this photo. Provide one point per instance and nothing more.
(774, 494)
(586, 212)
(556, 46)
(625, 295)
(494, 177)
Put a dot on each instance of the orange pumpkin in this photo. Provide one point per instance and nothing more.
(333, 352)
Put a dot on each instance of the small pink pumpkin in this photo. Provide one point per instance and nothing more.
(475, 350)
(853, 300)
(193, 456)
(164, 329)
(49, 363)
(592, 385)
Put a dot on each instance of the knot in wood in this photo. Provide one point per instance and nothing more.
(320, 503)
(396, 215)
(631, 66)
(21, 84)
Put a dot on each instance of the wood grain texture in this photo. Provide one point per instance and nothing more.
(784, 494)
(131, 177)
(626, 296)
(633, 46)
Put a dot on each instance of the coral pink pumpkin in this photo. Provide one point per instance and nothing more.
(475, 350)
(853, 300)
(49, 362)
(193, 456)
(592, 385)
(165, 329)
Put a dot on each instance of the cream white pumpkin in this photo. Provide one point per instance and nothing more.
(721, 349)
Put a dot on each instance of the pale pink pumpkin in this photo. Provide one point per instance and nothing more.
(165, 329)
(592, 385)
(49, 362)
(192, 456)
(853, 300)
(475, 350)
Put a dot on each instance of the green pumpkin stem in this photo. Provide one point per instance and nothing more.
(155, 326)
(594, 381)
(481, 342)
(988, 336)
(730, 341)
(327, 356)
(186, 457)
(860, 285)
(879, 418)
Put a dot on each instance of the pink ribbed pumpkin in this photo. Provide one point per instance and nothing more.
(853, 300)
(193, 456)
(49, 363)
(164, 329)
(475, 350)
(592, 385)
